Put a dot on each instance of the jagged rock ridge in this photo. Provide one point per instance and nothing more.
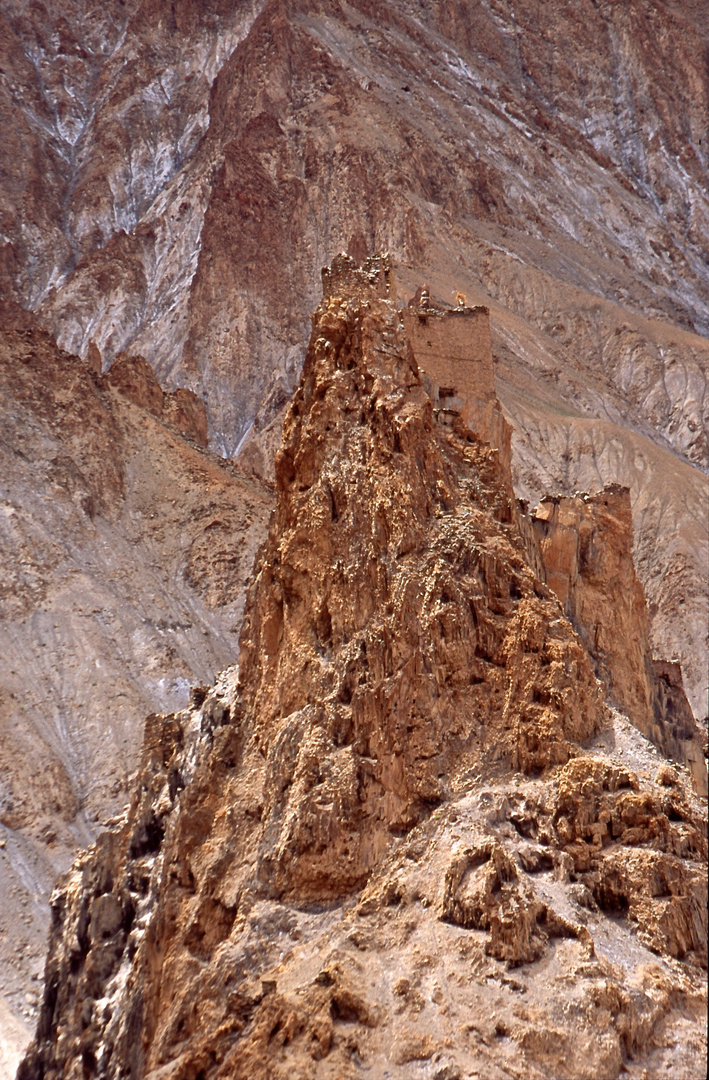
(585, 552)
(410, 787)
(176, 174)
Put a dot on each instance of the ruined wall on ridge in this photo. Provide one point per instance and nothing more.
(454, 348)
(585, 544)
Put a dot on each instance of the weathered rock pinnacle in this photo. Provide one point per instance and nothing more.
(411, 785)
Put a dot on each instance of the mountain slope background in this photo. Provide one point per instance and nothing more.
(173, 179)
(177, 179)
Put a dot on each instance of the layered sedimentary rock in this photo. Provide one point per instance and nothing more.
(585, 548)
(126, 549)
(177, 174)
(406, 832)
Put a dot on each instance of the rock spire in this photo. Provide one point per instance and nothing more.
(410, 786)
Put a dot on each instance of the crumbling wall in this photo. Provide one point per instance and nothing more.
(585, 546)
(454, 349)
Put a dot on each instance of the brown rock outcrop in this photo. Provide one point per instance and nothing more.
(174, 181)
(133, 377)
(585, 548)
(335, 858)
(396, 528)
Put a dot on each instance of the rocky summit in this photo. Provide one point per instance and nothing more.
(173, 177)
(406, 835)
(176, 174)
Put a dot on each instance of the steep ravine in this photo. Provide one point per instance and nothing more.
(126, 549)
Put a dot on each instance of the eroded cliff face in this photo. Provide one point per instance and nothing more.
(585, 549)
(126, 550)
(177, 175)
(406, 833)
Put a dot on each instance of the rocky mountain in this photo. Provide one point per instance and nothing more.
(405, 835)
(173, 178)
(126, 548)
(178, 174)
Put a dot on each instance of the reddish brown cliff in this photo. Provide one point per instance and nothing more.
(354, 851)
(389, 551)
(585, 545)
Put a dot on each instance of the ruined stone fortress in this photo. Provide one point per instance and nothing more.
(580, 545)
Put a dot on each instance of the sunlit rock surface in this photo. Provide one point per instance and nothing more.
(178, 175)
(405, 832)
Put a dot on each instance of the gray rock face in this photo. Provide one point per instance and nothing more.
(126, 548)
